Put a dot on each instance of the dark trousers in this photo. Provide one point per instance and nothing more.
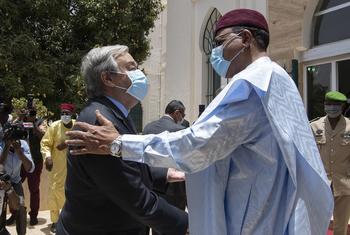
(61, 230)
(34, 187)
(21, 213)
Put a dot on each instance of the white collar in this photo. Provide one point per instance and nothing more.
(256, 73)
(167, 115)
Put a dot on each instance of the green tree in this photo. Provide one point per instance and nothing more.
(42, 42)
(19, 104)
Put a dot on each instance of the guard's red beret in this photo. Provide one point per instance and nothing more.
(66, 106)
(242, 17)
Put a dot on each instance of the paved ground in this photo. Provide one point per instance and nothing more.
(41, 229)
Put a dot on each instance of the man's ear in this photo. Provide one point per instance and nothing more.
(106, 79)
(247, 38)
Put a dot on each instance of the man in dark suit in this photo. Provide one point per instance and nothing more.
(107, 195)
(171, 121)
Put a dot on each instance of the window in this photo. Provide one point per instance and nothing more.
(318, 84)
(214, 80)
(327, 63)
(344, 77)
(330, 21)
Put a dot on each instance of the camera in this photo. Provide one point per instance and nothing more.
(5, 177)
(14, 131)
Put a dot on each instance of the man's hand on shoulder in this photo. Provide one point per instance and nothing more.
(91, 139)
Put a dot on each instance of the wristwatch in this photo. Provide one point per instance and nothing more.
(116, 147)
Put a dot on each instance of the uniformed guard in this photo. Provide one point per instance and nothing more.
(332, 133)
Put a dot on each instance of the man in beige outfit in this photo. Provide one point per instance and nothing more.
(332, 133)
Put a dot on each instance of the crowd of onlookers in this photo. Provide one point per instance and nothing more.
(27, 143)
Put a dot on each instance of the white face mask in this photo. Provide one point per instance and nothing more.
(66, 119)
(333, 110)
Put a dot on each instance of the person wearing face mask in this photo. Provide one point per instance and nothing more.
(332, 134)
(54, 152)
(175, 193)
(107, 195)
(251, 160)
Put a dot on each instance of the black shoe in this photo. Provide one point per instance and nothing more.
(53, 228)
(33, 221)
(11, 220)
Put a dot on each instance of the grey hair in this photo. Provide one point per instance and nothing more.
(95, 62)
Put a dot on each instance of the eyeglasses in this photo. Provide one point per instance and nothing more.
(66, 113)
(219, 40)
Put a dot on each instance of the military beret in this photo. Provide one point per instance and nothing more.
(242, 17)
(335, 96)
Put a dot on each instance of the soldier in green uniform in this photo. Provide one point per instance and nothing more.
(332, 134)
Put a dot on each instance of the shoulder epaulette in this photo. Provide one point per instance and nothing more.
(315, 119)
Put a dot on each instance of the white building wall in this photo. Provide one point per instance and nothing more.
(177, 65)
(154, 68)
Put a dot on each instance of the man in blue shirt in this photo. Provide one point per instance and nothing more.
(13, 154)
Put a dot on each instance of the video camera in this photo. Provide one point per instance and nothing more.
(5, 177)
(16, 131)
(19, 130)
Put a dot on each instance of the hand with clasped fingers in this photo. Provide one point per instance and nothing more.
(90, 139)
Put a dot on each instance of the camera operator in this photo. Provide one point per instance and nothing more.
(7, 194)
(13, 154)
(35, 134)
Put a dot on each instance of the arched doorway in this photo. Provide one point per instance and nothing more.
(212, 78)
(327, 63)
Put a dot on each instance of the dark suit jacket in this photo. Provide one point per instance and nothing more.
(166, 123)
(106, 195)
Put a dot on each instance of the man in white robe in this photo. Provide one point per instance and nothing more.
(251, 160)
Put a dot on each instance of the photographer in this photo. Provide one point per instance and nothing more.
(35, 134)
(13, 154)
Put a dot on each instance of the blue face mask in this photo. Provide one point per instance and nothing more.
(218, 61)
(139, 84)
